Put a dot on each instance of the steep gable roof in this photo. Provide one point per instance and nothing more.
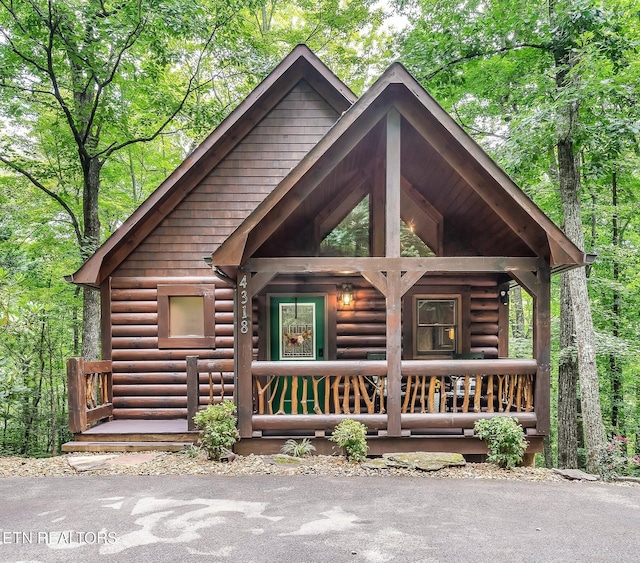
(300, 64)
(440, 163)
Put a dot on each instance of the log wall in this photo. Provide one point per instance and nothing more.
(484, 321)
(149, 382)
(361, 329)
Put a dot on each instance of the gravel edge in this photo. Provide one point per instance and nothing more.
(195, 463)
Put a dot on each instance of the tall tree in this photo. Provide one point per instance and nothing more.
(88, 80)
(77, 74)
(516, 74)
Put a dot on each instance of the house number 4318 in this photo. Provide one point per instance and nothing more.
(244, 299)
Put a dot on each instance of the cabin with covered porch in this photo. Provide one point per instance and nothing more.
(228, 282)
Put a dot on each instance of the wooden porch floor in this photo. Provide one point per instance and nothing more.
(133, 435)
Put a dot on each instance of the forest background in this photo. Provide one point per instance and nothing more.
(101, 100)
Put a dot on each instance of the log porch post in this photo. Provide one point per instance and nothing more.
(394, 284)
(243, 331)
(542, 346)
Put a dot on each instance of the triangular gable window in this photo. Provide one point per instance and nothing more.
(411, 245)
(352, 235)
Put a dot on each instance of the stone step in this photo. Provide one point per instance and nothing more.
(138, 437)
(124, 446)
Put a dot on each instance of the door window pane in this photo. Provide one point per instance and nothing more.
(297, 323)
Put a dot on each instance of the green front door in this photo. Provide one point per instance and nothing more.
(297, 334)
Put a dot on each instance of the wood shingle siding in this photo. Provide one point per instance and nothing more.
(224, 198)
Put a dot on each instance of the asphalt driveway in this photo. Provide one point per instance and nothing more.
(315, 519)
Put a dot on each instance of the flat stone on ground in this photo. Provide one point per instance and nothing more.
(575, 475)
(283, 459)
(376, 463)
(88, 462)
(423, 461)
(130, 460)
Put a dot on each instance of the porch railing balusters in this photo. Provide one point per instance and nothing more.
(90, 393)
(449, 393)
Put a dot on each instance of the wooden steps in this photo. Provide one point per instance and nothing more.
(133, 436)
(124, 446)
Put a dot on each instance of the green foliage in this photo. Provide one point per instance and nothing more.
(352, 436)
(617, 461)
(218, 432)
(127, 89)
(505, 440)
(298, 449)
(191, 451)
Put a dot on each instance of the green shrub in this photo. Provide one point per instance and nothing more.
(352, 436)
(616, 461)
(505, 440)
(191, 451)
(217, 425)
(298, 449)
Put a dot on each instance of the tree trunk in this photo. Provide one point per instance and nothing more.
(548, 452)
(594, 431)
(614, 365)
(91, 297)
(564, 59)
(567, 383)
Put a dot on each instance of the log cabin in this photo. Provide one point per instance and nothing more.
(228, 283)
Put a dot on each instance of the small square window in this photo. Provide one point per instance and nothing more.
(186, 316)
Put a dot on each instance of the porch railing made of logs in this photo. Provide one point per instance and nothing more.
(90, 393)
(468, 386)
(456, 391)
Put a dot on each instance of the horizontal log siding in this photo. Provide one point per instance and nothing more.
(210, 213)
(362, 329)
(149, 382)
(484, 327)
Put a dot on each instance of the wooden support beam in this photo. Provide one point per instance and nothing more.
(377, 205)
(259, 281)
(527, 280)
(244, 351)
(394, 352)
(542, 347)
(349, 196)
(503, 326)
(105, 315)
(430, 265)
(409, 279)
(193, 391)
(392, 218)
(376, 279)
(76, 395)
